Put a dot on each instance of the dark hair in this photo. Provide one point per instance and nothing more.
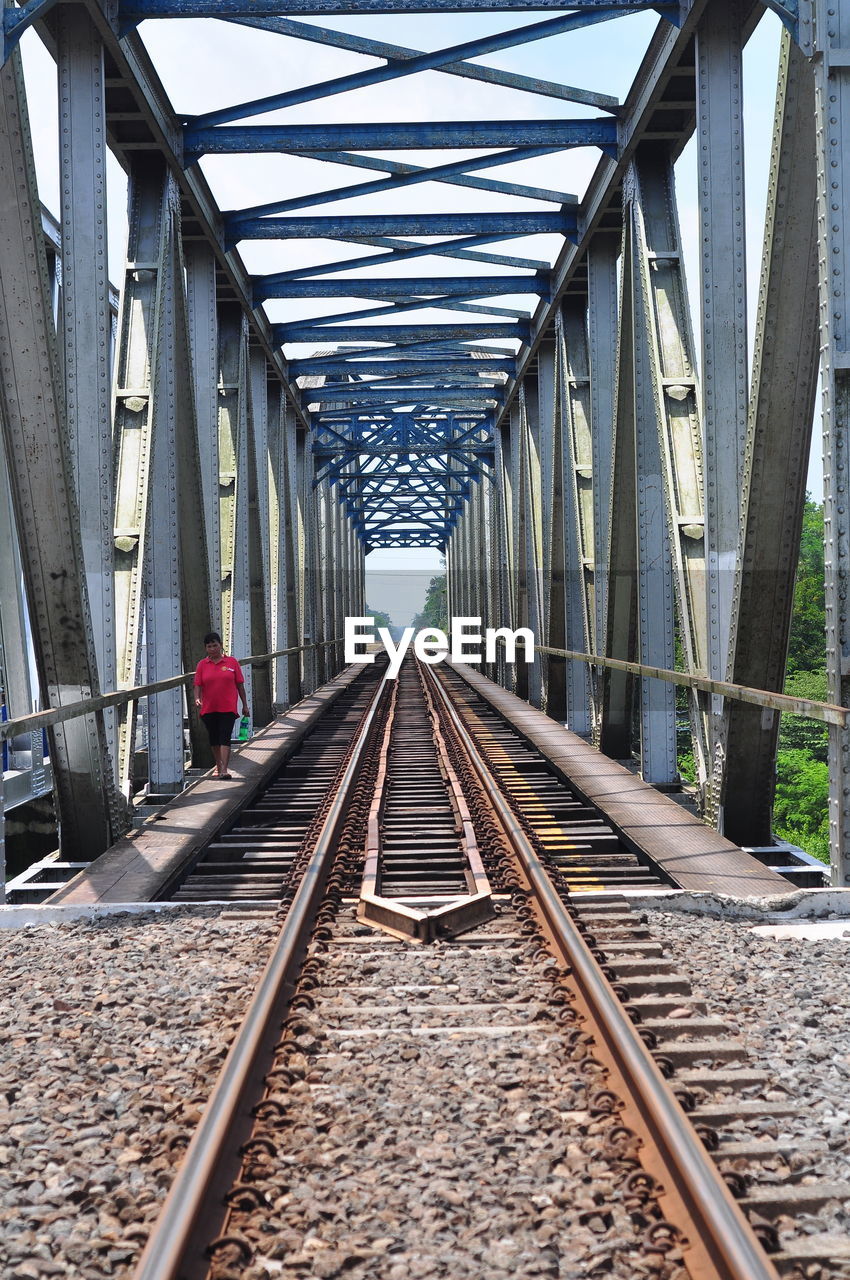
(211, 636)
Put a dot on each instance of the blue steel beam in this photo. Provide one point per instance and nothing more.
(402, 250)
(364, 392)
(325, 453)
(397, 70)
(132, 12)
(416, 396)
(418, 304)
(430, 350)
(472, 308)
(400, 381)
(362, 456)
(411, 136)
(16, 21)
(455, 173)
(468, 70)
(330, 365)
(402, 287)
(396, 333)
(340, 226)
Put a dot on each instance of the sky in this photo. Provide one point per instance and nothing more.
(230, 63)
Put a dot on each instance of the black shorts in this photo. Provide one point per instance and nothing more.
(219, 727)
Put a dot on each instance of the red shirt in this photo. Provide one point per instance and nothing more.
(217, 682)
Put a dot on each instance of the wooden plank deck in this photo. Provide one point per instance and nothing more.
(139, 865)
(692, 854)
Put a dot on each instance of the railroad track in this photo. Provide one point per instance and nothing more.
(494, 1104)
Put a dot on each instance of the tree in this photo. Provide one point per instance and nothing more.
(797, 733)
(381, 619)
(800, 808)
(807, 647)
(435, 611)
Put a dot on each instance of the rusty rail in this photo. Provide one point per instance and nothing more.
(721, 1243)
(182, 1231)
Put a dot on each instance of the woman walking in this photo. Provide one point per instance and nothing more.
(219, 683)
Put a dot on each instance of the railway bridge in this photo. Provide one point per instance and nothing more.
(446, 974)
(488, 351)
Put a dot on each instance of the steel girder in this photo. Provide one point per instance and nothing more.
(724, 388)
(826, 35)
(161, 557)
(573, 375)
(233, 481)
(259, 530)
(216, 133)
(42, 490)
(785, 370)
(133, 11)
(85, 322)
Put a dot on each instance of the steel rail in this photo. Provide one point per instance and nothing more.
(57, 715)
(724, 1247)
(477, 877)
(175, 1249)
(418, 923)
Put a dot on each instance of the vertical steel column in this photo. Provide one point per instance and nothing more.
(307, 560)
(41, 481)
(203, 335)
(322, 543)
(785, 370)
(832, 95)
(292, 536)
(137, 367)
(193, 511)
(258, 532)
(656, 622)
(517, 563)
(602, 320)
(720, 138)
(15, 676)
(579, 506)
(278, 534)
(664, 300)
(234, 484)
(615, 730)
(552, 618)
(504, 499)
(15, 679)
(479, 550)
(85, 319)
(161, 566)
(531, 546)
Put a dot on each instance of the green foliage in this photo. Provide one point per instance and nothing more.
(687, 767)
(797, 733)
(807, 648)
(435, 611)
(800, 810)
(381, 619)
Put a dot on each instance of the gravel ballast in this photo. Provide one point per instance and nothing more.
(788, 1001)
(112, 1033)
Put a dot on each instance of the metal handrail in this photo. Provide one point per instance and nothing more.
(57, 715)
(826, 712)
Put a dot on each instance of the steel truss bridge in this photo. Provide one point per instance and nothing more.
(228, 446)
